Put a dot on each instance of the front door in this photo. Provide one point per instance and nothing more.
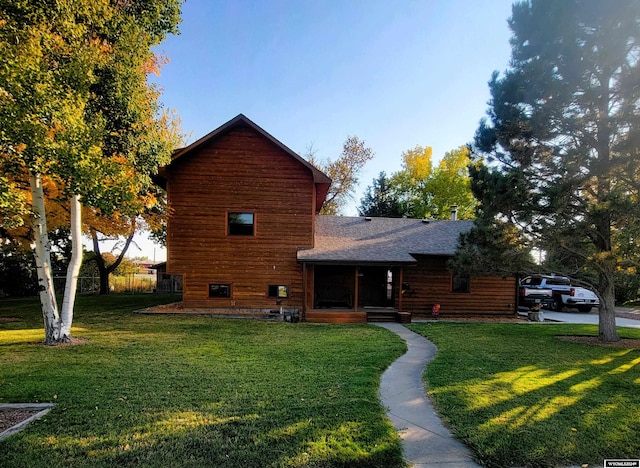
(375, 287)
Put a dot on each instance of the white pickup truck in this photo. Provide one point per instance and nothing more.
(564, 295)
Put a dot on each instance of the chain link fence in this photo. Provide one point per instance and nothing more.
(86, 284)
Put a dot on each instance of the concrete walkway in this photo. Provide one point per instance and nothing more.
(426, 442)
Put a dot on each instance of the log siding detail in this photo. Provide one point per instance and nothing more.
(430, 283)
(240, 171)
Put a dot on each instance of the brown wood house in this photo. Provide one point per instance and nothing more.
(245, 234)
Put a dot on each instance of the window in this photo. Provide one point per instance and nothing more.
(460, 283)
(218, 290)
(279, 291)
(558, 281)
(240, 223)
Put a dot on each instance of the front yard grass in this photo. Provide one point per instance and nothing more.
(195, 391)
(518, 396)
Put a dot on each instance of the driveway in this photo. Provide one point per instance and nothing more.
(592, 317)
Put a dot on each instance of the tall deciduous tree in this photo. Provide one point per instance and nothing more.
(344, 172)
(44, 85)
(147, 214)
(75, 108)
(105, 269)
(449, 184)
(428, 192)
(408, 183)
(562, 144)
(137, 131)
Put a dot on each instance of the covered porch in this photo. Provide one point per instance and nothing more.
(367, 268)
(353, 293)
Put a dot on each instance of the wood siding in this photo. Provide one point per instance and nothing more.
(430, 283)
(239, 171)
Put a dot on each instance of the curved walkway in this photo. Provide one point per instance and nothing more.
(426, 442)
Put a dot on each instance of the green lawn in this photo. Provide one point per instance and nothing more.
(518, 396)
(195, 391)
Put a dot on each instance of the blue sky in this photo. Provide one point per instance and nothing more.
(395, 73)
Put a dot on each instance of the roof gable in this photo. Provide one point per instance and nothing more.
(321, 180)
(382, 240)
(241, 120)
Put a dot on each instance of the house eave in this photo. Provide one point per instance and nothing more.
(356, 262)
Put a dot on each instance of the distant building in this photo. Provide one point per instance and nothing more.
(145, 267)
(165, 282)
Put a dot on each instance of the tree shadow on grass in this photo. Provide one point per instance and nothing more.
(201, 438)
(207, 393)
(544, 403)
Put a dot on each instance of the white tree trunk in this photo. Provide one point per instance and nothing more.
(73, 270)
(43, 262)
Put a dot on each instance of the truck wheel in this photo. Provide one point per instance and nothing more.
(556, 304)
(584, 309)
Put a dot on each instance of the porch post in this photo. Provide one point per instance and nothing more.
(304, 291)
(401, 280)
(355, 289)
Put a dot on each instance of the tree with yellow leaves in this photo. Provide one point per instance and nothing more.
(449, 184)
(428, 192)
(75, 108)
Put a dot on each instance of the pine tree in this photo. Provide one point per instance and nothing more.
(556, 164)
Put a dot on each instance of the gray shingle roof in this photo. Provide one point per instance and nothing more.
(381, 240)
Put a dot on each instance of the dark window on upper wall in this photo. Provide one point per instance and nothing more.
(240, 223)
(460, 283)
(217, 290)
(278, 290)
